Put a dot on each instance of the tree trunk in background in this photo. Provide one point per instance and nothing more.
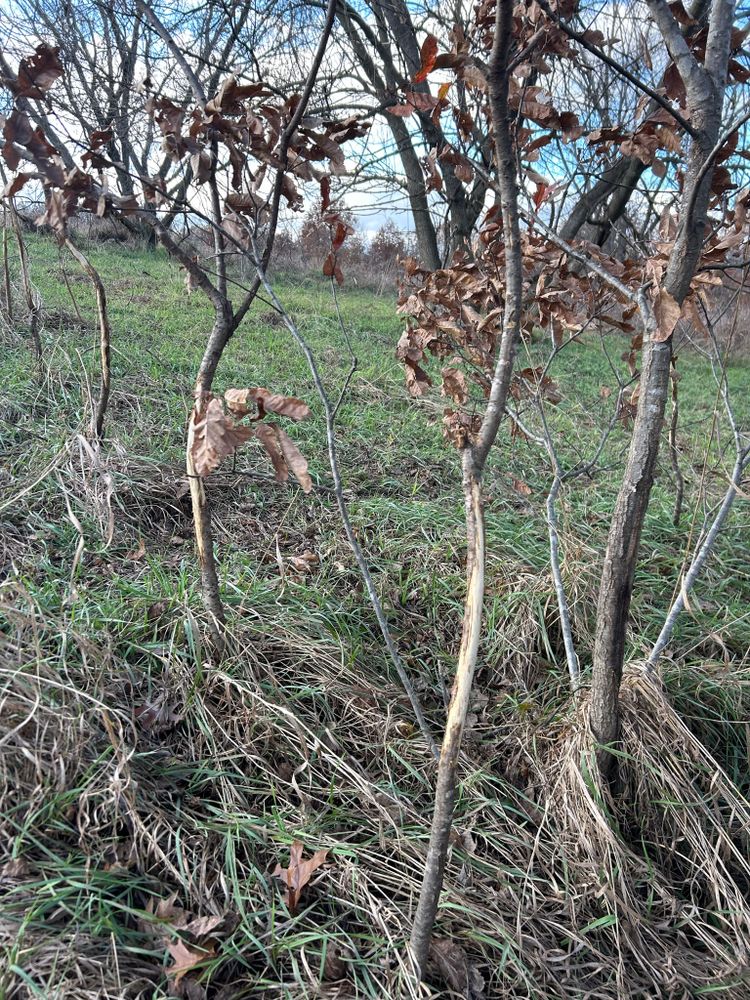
(417, 193)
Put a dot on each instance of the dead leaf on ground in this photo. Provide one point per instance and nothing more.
(335, 964)
(456, 968)
(304, 563)
(15, 868)
(156, 715)
(299, 872)
(184, 959)
(137, 553)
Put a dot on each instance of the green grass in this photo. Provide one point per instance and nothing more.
(303, 731)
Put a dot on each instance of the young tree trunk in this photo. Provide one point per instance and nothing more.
(474, 458)
(8, 294)
(447, 780)
(28, 292)
(223, 329)
(704, 86)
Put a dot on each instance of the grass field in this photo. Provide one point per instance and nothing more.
(142, 788)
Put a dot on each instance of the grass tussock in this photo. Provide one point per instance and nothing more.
(147, 796)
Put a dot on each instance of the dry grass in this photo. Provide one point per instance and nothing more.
(550, 891)
(134, 773)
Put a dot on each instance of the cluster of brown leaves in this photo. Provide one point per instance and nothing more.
(67, 190)
(542, 41)
(189, 940)
(455, 314)
(36, 73)
(241, 122)
(216, 434)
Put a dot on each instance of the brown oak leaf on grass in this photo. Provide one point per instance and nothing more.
(298, 873)
(198, 937)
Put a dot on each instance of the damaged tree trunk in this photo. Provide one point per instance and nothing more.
(474, 458)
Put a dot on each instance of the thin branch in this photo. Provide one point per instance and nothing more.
(699, 559)
(330, 413)
(105, 349)
(621, 70)
(32, 304)
(179, 56)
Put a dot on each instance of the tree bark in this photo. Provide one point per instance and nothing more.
(445, 793)
(474, 457)
(704, 86)
(417, 194)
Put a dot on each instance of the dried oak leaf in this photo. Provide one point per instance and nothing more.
(428, 55)
(298, 873)
(215, 437)
(304, 563)
(284, 454)
(184, 959)
(667, 312)
(457, 971)
(454, 385)
(417, 379)
(241, 402)
(37, 73)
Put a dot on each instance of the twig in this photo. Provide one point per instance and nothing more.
(580, 37)
(742, 459)
(32, 306)
(6, 269)
(105, 349)
(674, 453)
(699, 559)
(356, 548)
(571, 657)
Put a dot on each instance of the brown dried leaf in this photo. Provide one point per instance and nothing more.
(454, 385)
(284, 454)
(37, 73)
(667, 312)
(239, 400)
(295, 460)
(17, 183)
(184, 959)
(156, 715)
(400, 110)
(474, 77)
(138, 553)
(458, 972)
(215, 437)
(428, 55)
(299, 872)
(305, 563)
(266, 434)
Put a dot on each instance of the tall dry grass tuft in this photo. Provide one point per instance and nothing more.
(669, 859)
